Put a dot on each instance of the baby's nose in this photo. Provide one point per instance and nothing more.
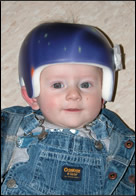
(73, 93)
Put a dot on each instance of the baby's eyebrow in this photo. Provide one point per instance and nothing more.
(65, 79)
(55, 77)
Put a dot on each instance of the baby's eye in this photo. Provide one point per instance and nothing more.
(58, 85)
(85, 85)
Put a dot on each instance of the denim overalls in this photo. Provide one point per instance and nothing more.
(64, 163)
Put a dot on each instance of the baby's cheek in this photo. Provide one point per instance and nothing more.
(50, 103)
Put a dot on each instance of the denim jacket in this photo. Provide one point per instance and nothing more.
(63, 163)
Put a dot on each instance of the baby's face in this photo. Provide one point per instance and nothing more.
(70, 94)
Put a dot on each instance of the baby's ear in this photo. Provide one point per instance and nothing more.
(31, 101)
(103, 103)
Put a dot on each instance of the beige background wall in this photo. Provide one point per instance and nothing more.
(115, 18)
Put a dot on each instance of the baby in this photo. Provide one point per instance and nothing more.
(66, 142)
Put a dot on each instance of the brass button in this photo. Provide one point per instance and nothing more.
(129, 144)
(98, 145)
(11, 183)
(132, 179)
(112, 175)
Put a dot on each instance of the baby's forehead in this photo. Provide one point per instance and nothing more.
(74, 67)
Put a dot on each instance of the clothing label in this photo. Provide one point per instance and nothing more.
(71, 173)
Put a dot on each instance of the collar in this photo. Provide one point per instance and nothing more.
(100, 128)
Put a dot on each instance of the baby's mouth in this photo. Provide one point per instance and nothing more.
(73, 110)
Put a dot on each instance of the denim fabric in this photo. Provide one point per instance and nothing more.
(90, 168)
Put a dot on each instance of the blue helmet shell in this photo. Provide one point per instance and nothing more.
(53, 43)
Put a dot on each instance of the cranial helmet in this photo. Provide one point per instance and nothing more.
(54, 43)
